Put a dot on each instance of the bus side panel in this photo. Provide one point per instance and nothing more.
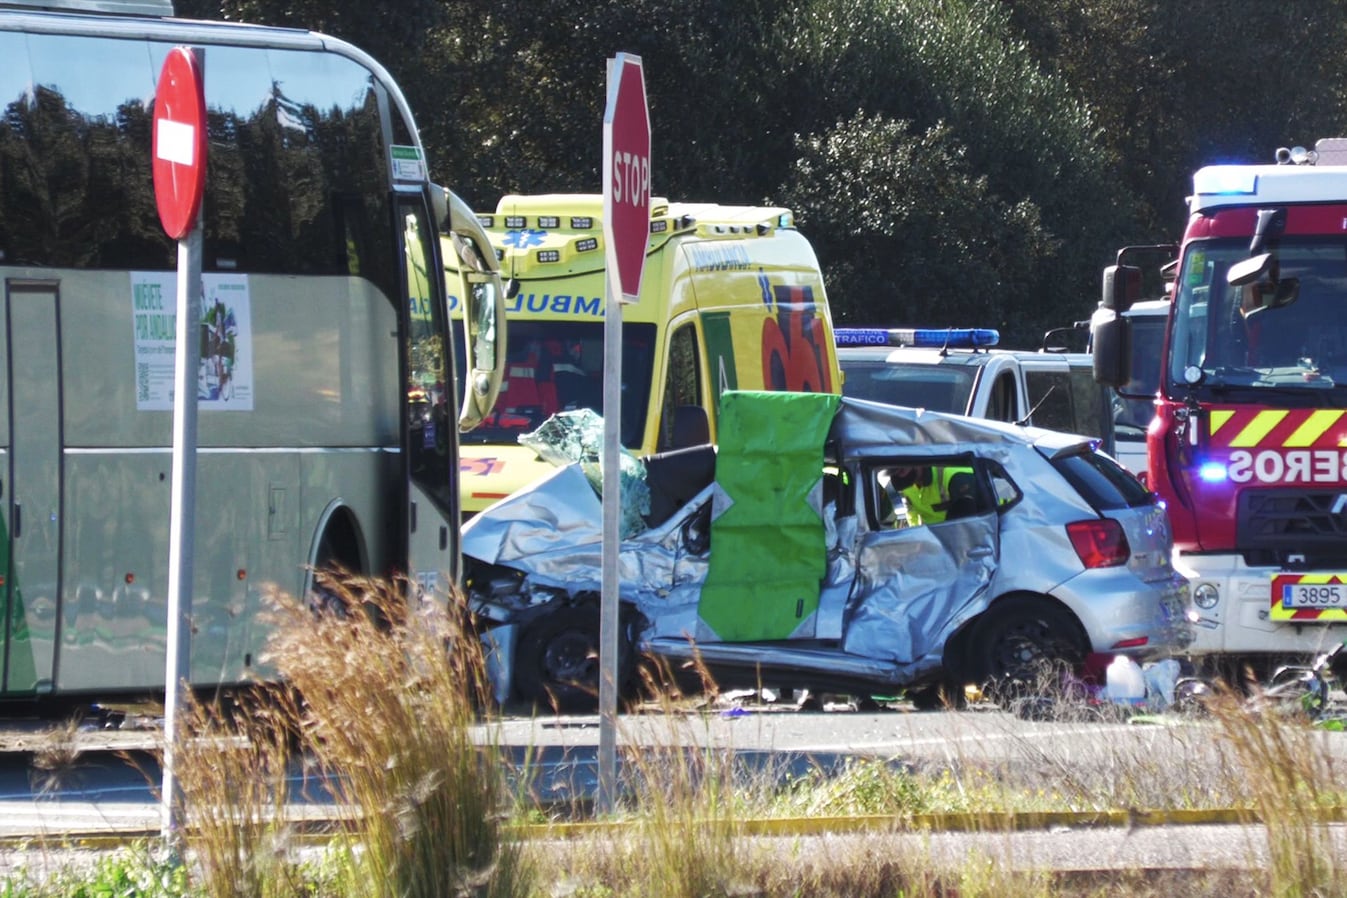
(315, 427)
(115, 592)
(317, 357)
(257, 515)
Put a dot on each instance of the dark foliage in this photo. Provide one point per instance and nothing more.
(953, 161)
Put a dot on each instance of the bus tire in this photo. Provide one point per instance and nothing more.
(557, 659)
(336, 561)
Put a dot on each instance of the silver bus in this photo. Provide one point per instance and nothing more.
(328, 407)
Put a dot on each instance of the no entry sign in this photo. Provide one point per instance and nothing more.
(179, 142)
(626, 173)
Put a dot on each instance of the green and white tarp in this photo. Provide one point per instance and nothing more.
(767, 536)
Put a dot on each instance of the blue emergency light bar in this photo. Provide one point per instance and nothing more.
(1226, 180)
(928, 337)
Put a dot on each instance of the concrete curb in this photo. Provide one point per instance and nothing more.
(319, 831)
(942, 822)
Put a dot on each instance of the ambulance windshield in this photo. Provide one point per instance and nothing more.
(557, 366)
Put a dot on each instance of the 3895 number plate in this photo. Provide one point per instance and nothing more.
(1296, 593)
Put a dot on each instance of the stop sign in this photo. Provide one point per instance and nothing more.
(179, 142)
(626, 173)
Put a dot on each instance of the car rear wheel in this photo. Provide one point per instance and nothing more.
(557, 663)
(1023, 646)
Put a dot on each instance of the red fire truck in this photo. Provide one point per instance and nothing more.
(1248, 447)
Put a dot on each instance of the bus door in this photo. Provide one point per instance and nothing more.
(431, 419)
(30, 485)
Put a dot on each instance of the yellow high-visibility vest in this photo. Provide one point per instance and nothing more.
(929, 503)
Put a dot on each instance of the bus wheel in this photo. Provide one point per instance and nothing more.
(331, 583)
(557, 659)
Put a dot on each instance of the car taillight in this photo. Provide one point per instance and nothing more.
(1100, 542)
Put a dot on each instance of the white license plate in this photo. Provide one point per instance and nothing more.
(1314, 595)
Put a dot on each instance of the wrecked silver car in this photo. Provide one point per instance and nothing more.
(837, 545)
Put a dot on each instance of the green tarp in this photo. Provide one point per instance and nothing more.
(768, 553)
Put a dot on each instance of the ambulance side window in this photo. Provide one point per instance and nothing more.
(682, 384)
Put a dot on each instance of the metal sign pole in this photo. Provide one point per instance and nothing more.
(177, 666)
(612, 516)
(626, 228)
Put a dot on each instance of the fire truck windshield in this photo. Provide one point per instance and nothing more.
(1285, 331)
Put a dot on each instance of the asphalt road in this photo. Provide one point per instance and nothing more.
(106, 780)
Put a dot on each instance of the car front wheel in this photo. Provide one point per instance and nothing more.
(557, 659)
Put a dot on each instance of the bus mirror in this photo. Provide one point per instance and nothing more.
(483, 312)
(439, 205)
(470, 242)
(484, 345)
(1122, 287)
(1111, 348)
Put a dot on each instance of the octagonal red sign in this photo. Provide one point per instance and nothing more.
(179, 142)
(626, 173)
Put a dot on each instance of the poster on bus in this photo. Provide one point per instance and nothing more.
(225, 373)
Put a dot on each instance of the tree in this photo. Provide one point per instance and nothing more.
(1172, 93)
(1004, 149)
(914, 235)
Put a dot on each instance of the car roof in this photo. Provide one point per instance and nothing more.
(869, 428)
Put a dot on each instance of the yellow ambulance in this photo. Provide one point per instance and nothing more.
(731, 299)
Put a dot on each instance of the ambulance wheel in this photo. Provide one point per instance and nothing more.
(557, 659)
(1024, 646)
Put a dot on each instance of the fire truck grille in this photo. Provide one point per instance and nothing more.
(1293, 521)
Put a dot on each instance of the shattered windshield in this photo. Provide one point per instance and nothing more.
(1261, 336)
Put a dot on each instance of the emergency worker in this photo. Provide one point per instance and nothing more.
(932, 494)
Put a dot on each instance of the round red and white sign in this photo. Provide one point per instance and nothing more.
(179, 142)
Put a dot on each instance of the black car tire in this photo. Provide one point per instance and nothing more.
(557, 659)
(1022, 646)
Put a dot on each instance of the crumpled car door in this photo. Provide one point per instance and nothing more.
(916, 585)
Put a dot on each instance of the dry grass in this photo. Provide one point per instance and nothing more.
(1290, 781)
(388, 701)
(381, 699)
(233, 763)
(389, 693)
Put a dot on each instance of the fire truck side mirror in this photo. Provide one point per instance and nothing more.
(1246, 271)
(1122, 287)
(1111, 348)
